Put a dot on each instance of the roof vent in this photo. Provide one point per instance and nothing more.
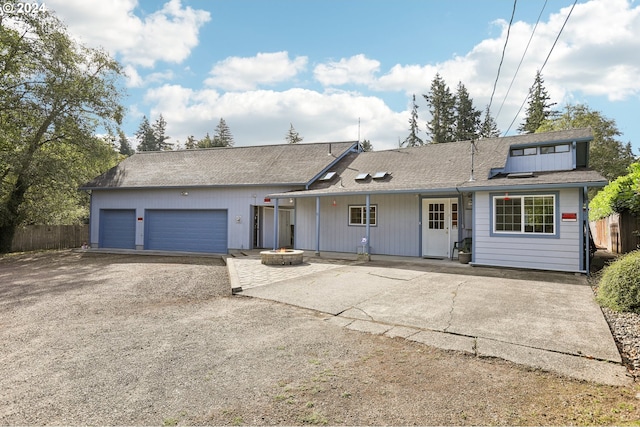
(362, 176)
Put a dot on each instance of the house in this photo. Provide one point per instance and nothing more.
(520, 200)
(211, 200)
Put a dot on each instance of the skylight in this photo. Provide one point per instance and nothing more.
(362, 176)
(380, 175)
(328, 176)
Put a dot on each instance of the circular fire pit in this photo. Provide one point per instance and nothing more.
(282, 257)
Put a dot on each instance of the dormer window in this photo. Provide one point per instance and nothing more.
(528, 151)
(550, 149)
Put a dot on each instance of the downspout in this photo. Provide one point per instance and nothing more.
(275, 224)
(318, 225)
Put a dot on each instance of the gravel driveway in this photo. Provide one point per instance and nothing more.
(121, 339)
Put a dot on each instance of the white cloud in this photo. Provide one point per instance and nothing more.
(263, 116)
(357, 69)
(167, 35)
(235, 73)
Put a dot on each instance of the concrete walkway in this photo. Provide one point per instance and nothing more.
(544, 320)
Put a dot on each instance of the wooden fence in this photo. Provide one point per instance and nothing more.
(618, 233)
(39, 237)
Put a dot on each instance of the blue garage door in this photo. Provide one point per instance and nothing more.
(186, 230)
(117, 228)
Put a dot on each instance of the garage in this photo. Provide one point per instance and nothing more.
(186, 230)
(117, 228)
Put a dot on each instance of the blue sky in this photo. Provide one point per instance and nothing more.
(325, 65)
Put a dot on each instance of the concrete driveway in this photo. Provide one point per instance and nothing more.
(548, 321)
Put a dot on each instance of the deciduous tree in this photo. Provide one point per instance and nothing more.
(54, 93)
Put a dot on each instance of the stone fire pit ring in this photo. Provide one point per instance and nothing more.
(282, 257)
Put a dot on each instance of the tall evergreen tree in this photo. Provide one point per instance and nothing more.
(442, 109)
(124, 146)
(223, 136)
(539, 107)
(413, 140)
(159, 129)
(145, 137)
(366, 145)
(293, 137)
(489, 128)
(191, 143)
(467, 116)
(607, 154)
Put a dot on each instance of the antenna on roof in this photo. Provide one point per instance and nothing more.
(474, 149)
(358, 129)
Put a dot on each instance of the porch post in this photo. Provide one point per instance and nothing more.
(275, 224)
(317, 225)
(368, 223)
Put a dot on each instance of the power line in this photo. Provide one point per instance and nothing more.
(543, 65)
(504, 48)
(521, 60)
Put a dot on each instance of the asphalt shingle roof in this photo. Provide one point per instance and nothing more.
(447, 166)
(285, 164)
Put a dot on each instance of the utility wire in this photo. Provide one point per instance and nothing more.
(504, 48)
(545, 63)
(521, 60)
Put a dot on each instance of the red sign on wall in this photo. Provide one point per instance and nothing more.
(569, 216)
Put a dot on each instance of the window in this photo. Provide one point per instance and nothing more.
(454, 215)
(436, 216)
(358, 215)
(529, 151)
(550, 149)
(524, 214)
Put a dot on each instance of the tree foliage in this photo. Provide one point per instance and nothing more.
(467, 117)
(54, 93)
(489, 127)
(539, 107)
(223, 136)
(607, 155)
(619, 196)
(442, 109)
(413, 140)
(366, 145)
(152, 137)
(293, 137)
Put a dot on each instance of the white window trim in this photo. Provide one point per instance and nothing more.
(522, 231)
(364, 218)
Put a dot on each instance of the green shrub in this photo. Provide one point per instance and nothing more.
(619, 287)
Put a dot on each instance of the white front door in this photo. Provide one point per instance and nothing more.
(439, 226)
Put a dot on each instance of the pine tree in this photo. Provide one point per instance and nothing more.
(223, 136)
(539, 108)
(413, 140)
(145, 137)
(489, 128)
(292, 136)
(191, 143)
(467, 126)
(366, 145)
(442, 109)
(124, 144)
(159, 128)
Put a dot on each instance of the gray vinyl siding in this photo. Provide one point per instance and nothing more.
(396, 232)
(560, 254)
(237, 202)
(541, 162)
